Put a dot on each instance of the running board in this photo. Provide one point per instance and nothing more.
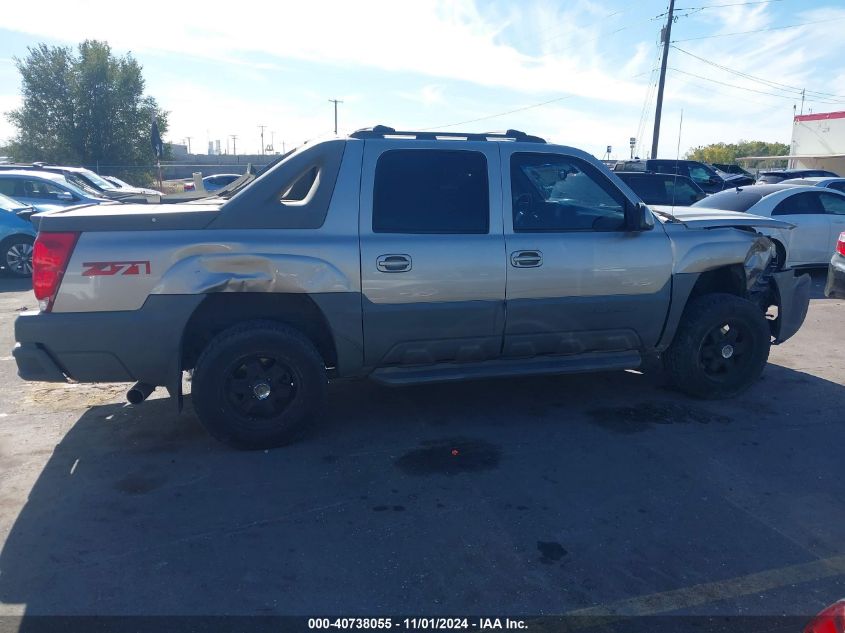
(448, 372)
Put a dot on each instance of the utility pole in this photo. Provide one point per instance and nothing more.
(262, 138)
(666, 35)
(802, 101)
(273, 141)
(234, 144)
(335, 102)
(188, 138)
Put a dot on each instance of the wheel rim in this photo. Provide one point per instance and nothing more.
(260, 386)
(725, 351)
(19, 258)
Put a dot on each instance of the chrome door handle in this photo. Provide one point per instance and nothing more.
(526, 259)
(394, 263)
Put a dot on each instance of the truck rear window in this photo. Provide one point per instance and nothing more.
(431, 191)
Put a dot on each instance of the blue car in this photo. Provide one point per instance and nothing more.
(16, 237)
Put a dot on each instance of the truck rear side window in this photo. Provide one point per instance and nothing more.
(431, 191)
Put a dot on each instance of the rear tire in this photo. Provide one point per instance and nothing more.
(16, 252)
(720, 348)
(257, 385)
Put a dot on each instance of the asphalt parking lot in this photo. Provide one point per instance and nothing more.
(607, 493)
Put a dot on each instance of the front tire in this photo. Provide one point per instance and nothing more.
(257, 385)
(720, 348)
(16, 252)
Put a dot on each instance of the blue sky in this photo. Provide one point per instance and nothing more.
(221, 70)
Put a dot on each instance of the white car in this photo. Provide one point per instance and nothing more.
(817, 213)
(45, 191)
(122, 184)
(837, 184)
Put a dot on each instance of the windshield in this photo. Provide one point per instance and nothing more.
(731, 200)
(81, 186)
(94, 179)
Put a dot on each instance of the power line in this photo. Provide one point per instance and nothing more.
(493, 116)
(768, 82)
(731, 4)
(722, 83)
(771, 28)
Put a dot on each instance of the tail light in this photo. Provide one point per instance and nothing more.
(50, 256)
(832, 619)
(840, 245)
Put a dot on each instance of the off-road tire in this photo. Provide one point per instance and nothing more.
(226, 393)
(21, 243)
(690, 364)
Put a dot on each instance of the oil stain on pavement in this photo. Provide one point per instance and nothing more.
(641, 417)
(452, 456)
(550, 552)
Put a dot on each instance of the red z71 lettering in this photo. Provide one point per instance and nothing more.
(107, 269)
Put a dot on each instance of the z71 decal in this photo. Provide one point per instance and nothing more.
(107, 269)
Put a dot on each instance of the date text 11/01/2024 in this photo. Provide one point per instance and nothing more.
(480, 624)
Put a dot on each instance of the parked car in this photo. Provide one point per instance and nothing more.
(218, 181)
(666, 189)
(45, 191)
(123, 185)
(386, 254)
(825, 182)
(835, 286)
(23, 211)
(818, 216)
(703, 175)
(16, 238)
(86, 180)
(779, 175)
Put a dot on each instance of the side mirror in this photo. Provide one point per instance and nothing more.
(638, 217)
(65, 195)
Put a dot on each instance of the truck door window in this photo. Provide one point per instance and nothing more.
(561, 193)
(699, 174)
(431, 191)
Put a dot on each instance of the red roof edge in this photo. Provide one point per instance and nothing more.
(821, 116)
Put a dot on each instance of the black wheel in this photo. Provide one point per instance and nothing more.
(257, 385)
(17, 255)
(720, 348)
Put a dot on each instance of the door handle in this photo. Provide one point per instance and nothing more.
(394, 263)
(526, 259)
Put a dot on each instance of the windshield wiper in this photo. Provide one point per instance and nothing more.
(663, 214)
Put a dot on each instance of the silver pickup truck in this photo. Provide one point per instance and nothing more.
(408, 257)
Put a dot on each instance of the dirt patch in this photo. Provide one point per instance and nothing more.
(641, 417)
(60, 396)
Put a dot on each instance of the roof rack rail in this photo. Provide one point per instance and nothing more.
(383, 131)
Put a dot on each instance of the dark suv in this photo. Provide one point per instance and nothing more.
(703, 175)
(777, 175)
(668, 189)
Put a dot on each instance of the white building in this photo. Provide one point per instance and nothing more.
(818, 142)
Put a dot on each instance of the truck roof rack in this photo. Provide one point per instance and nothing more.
(383, 131)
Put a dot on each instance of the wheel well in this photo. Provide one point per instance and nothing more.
(220, 311)
(728, 279)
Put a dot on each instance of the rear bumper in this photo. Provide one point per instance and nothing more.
(139, 345)
(793, 294)
(835, 287)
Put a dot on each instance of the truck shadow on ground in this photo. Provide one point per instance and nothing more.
(478, 497)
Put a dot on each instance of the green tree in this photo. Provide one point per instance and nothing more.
(85, 107)
(729, 152)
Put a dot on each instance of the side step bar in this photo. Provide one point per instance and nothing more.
(448, 372)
